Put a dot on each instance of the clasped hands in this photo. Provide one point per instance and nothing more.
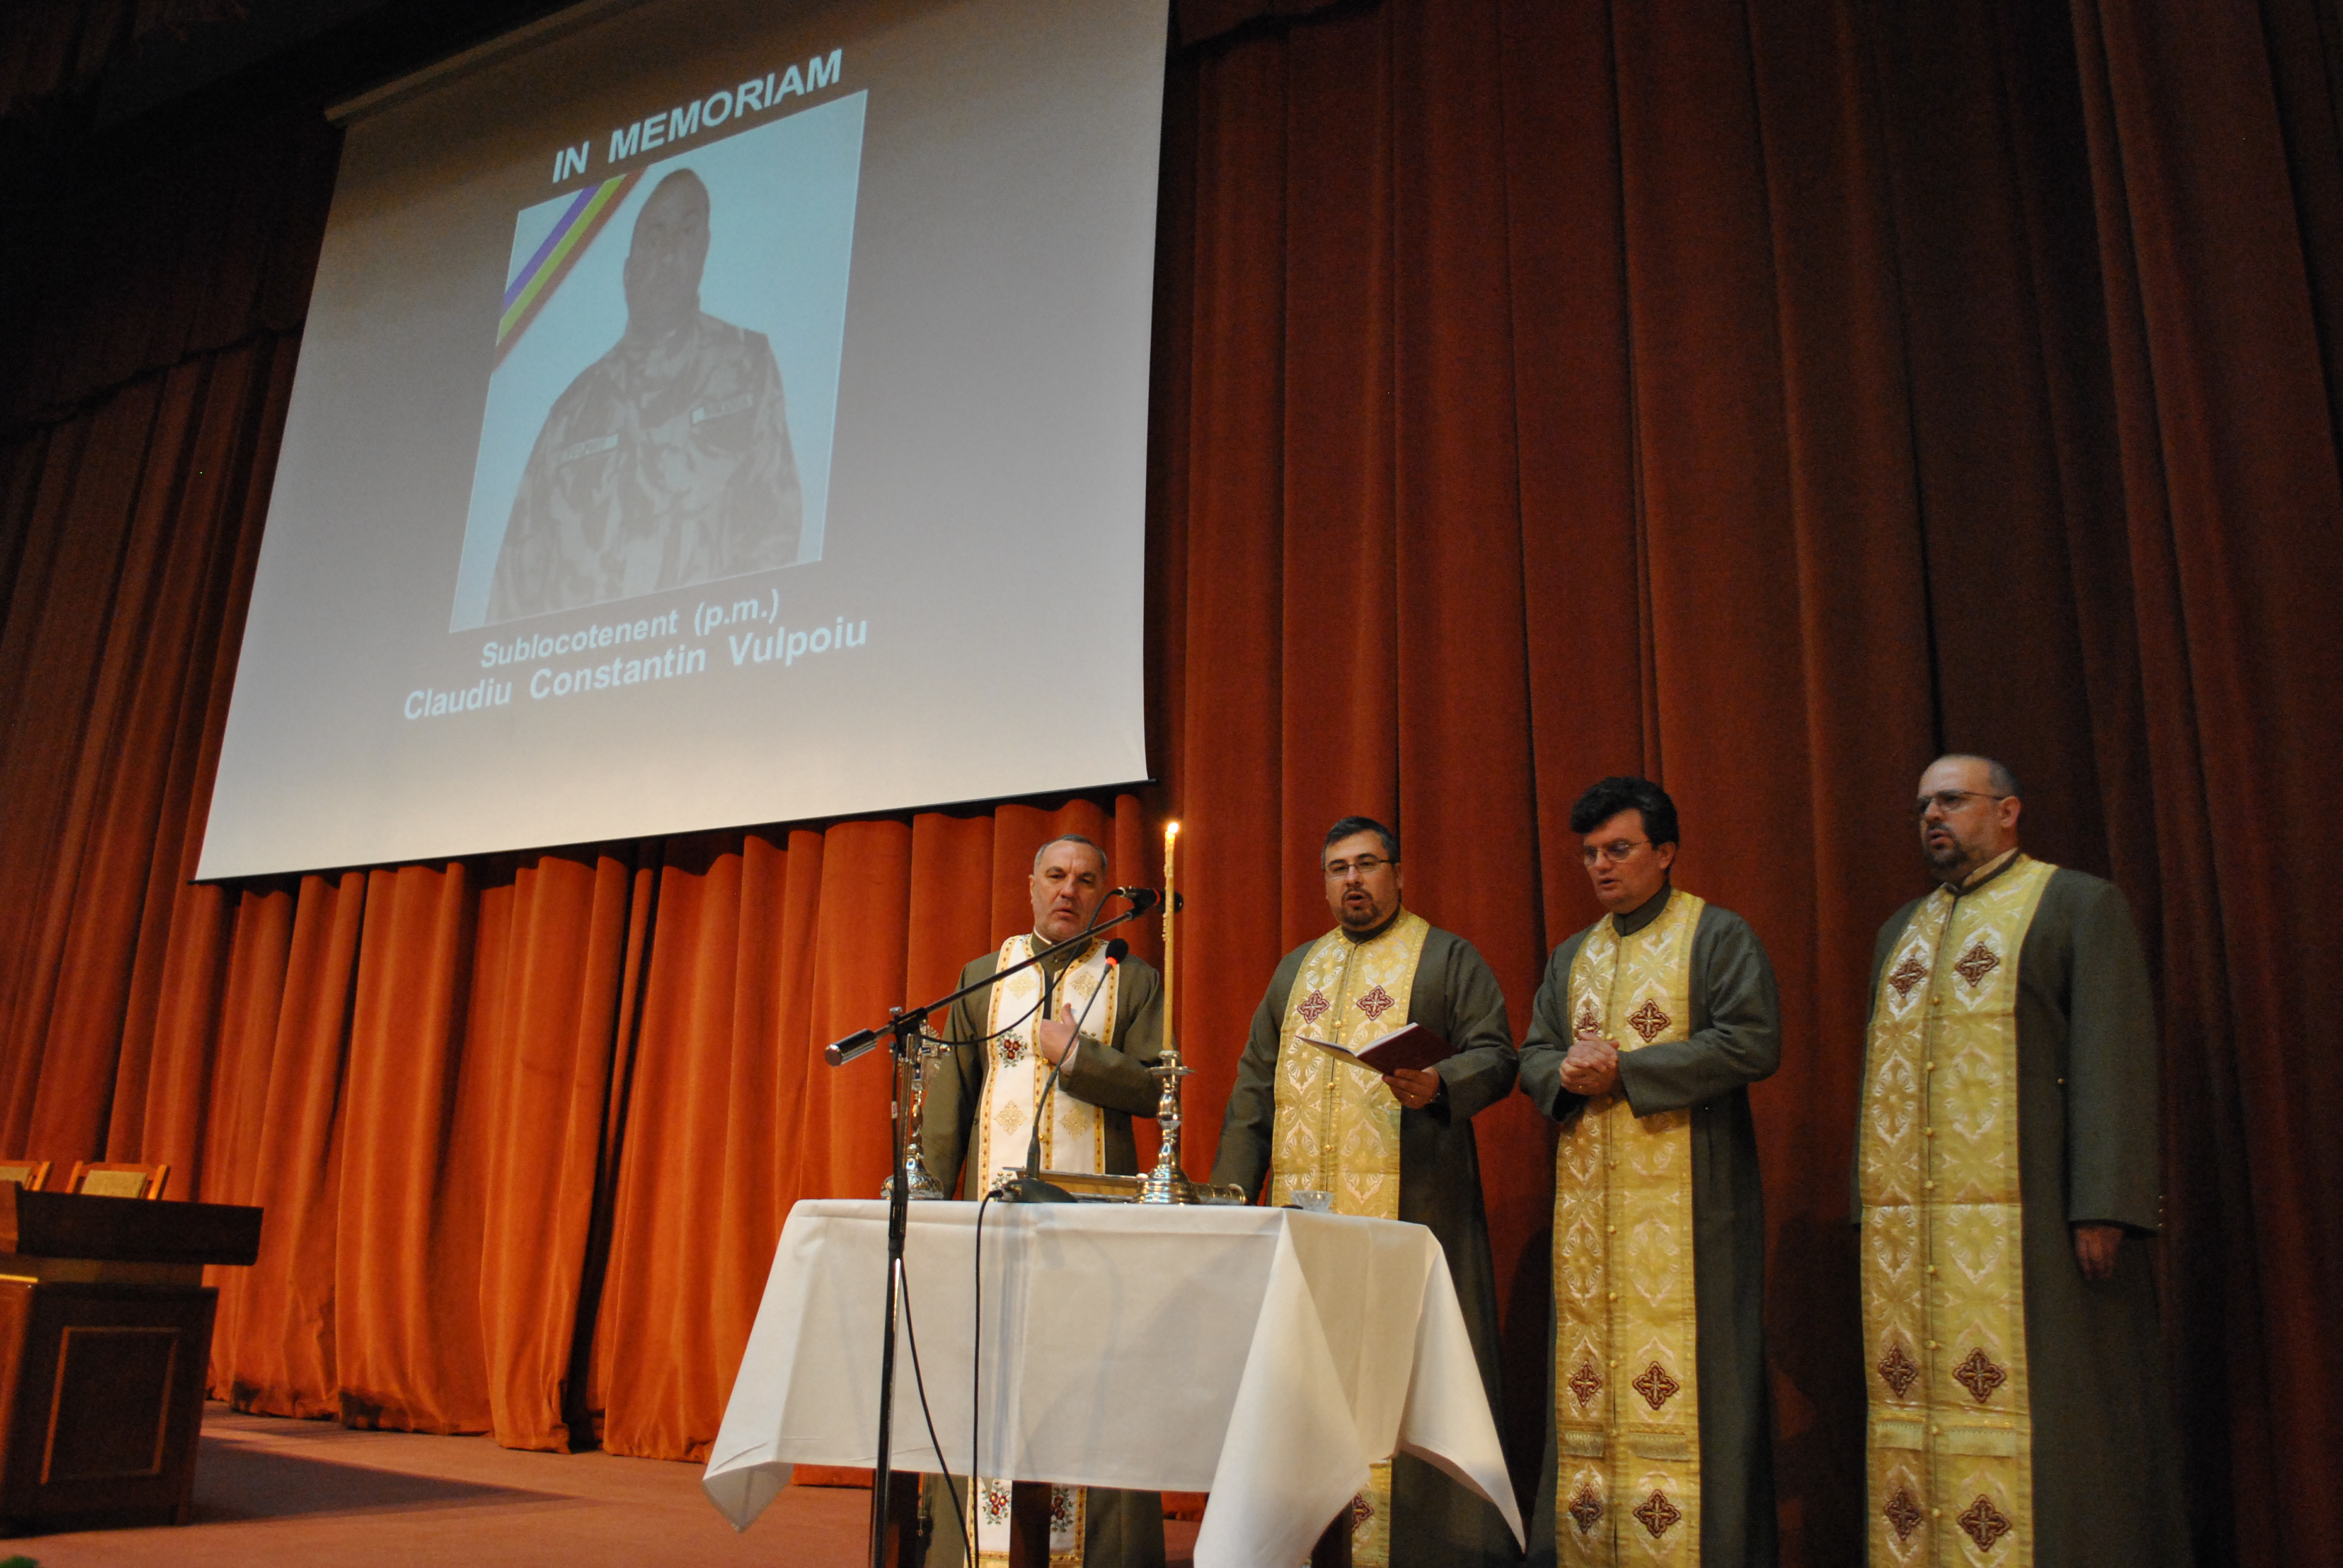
(1592, 1068)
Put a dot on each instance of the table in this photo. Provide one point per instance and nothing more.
(1266, 1356)
(106, 1325)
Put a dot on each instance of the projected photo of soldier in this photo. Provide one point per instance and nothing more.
(668, 461)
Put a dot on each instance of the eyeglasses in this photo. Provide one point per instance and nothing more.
(1615, 851)
(1950, 800)
(1365, 865)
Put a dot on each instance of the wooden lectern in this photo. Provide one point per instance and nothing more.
(106, 1328)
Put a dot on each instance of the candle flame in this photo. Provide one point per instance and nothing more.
(1171, 831)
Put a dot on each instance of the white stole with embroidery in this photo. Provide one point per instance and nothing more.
(1074, 1138)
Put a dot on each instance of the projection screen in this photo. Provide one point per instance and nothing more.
(712, 412)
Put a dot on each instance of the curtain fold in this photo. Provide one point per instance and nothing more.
(724, 1106)
(407, 1215)
(1851, 535)
(1762, 395)
(553, 1017)
(278, 1106)
(2225, 426)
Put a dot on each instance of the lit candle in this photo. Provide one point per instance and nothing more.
(1170, 908)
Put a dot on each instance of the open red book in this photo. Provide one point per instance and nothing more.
(1411, 1046)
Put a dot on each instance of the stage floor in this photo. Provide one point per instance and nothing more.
(269, 1491)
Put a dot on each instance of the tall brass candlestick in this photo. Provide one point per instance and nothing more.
(1170, 911)
(1168, 1183)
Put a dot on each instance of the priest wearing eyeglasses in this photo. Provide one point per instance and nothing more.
(2006, 1170)
(1647, 1032)
(1395, 1146)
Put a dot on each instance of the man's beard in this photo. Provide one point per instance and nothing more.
(1953, 857)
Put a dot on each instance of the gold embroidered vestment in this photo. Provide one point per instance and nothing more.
(1950, 1438)
(1627, 1381)
(1337, 1127)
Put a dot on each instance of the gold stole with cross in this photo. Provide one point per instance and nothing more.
(1073, 1138)
(1337, 1127)
(1626, 1384)
(1944, 1286)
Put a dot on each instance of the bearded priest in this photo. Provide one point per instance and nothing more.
(1395, 1146)
(2006, 1170)
(1100, 1025)
(1647, 1032)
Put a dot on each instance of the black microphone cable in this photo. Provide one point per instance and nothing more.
(996, 1034)
(919, 1380)
(1148, 898)
(976, 1298)
(1041, 1106)
(1042, 1004)
(976, 1372)
(964, 1506)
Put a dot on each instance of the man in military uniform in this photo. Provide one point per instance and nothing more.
(668, 461)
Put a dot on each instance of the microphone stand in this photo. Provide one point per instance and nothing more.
(898, 1030)
(902, 1025)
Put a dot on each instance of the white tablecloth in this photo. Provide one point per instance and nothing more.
(1265, 1356)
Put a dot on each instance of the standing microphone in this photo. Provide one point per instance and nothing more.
(1142, 898)
(1029, 1188)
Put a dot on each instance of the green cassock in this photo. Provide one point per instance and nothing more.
(1736, 1040)
(2106, 1486)
(1434, 1521)
(1120, 1529)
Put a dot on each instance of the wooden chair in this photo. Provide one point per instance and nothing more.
(102, 1179)
(31, 1175)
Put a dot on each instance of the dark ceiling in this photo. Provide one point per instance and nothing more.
(210, 67)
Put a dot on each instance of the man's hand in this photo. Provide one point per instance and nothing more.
(2096, 1247)
(1592, 1068)
(1053, 1038)
(1415, 1088)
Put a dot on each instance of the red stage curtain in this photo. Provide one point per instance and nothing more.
(1762, 396)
